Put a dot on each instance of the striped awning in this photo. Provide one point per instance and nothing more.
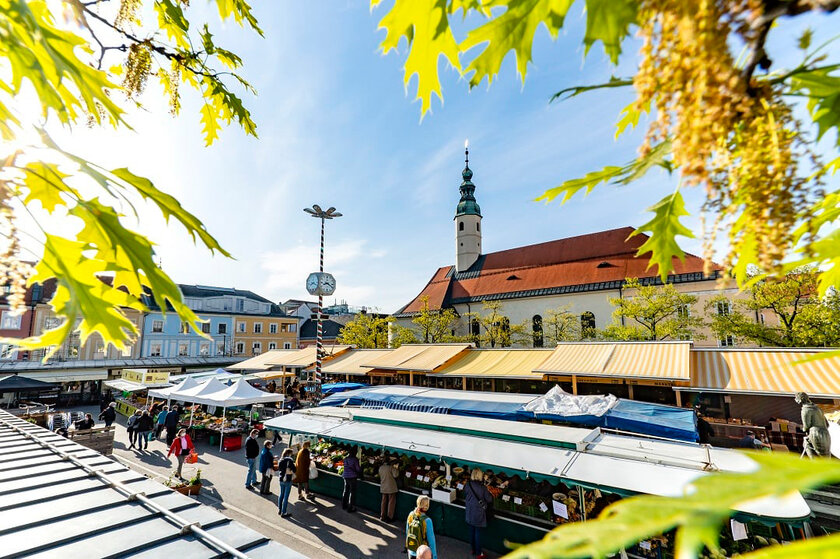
(423, 358)
(350, 362)
(497, 363)
(766, 371)
(644, 360)
(305, 357)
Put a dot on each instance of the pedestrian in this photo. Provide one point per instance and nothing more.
(419, 531)
(109, 414)
(478, 501)
(252, 451)
(278, 438)
(302, 463)
(749, 441)
(286, 471)
(145, 425)
(171, 424)
(388, 473)
(131, 427)
(181, 447)
(86, 423)
(266, 467)
(160, 422)
(352, 473)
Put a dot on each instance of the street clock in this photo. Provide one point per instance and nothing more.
(320, 283)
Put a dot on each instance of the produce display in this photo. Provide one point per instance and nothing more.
(234, 421)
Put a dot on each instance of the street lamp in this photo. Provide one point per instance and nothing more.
(320, 284)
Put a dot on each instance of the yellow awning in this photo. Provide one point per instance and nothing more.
(646, 360)
(765, 371)
(497, 363)
(268, 375)
(423, 358)
(304, 357)
(260, 362)
(351, 362)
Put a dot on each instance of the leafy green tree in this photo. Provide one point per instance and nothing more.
(785, 312)
(713, 119)
(86, 63)
(495, 328)
(653, 312)
(366, 331)
(561, 325)
(429, 326)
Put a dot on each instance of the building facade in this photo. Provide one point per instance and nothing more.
(581, 273)
(255, 334)
(164, 335)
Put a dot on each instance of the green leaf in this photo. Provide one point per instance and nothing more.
(45, 184)
(804, 41)
(172, 20)
(664, 228)
(629, 117)
(574, 91)
(609, 21)
(514, 31)
(240, 11)
(425, 25)
(210, 122)
(823, 92)
(812, 548)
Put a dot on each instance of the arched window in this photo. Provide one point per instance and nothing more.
(587, 324)
(461, 226)
(536, 327)
(475, 332)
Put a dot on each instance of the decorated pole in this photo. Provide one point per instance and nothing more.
(319, 339)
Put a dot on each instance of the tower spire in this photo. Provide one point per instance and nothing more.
(467, 152)
(467, 220)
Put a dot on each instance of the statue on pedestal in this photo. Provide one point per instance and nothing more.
(817, 440)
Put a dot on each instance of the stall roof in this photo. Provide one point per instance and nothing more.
(351, 362)
(219, 374)
(418, 357)
(99, 364)
(56, 507)
(648, 360)
(623, 464)
(201, 393)
(185, 384)
(17, 383)
(774, 371)
(241, 393)
(267, 375)
(305, 357)
(497, 363)
(260, 362)
(131, 386)
(67, 375)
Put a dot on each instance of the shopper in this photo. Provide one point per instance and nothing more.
(131, 427)
(266, 467)
(352, 473)
(419, 531)
(171, 424)
(388, 473)
(109, 414)
(86, 423)
(286, 471)
(145, 425)
(161, 420)
(252, 451)
(478, 501)
(302, 463)
(181, 447)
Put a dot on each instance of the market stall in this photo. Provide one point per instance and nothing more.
(540, 475)
(133, 389)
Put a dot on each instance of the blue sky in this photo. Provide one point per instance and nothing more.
(337, 128)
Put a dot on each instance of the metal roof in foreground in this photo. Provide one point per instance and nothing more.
(58, 498)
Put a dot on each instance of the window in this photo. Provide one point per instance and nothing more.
(728, 341)
(287, 345)
(126, 352)
(284, 327)
(272, 345)
(220, 348)
(272, 328)
(157, 326)
(292, 327)
(183, 349)
(205, 327)
(204, 349)
(505, 329)
(241, 327)
(587, 324)
(222, 328)
(475, 331)
(258, 328)
(7, 351)
(240, 305)
(154, 350)
(477, 226)
(257, 348)
(10, 321)
(537, 328)
(185, 328)
(461, 226)
(240, 348)
(683, 311)
(724, 308)
(52, 322)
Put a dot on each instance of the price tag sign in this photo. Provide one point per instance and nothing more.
(645, 545)
(442, 468)
(560, 509)
(517, 501)
(506, 498)
(460, 486)
(428, 467)
(408, 475)
(426, 479)
(543, 507)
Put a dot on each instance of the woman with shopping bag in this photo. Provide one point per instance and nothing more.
(266, 467)
(302, 463)
(182, 447)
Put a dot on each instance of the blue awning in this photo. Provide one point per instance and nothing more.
(653, 419)
(336, 387)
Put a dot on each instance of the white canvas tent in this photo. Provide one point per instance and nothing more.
(185, 384)
(200, 393)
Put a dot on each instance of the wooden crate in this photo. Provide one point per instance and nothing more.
(100, 439)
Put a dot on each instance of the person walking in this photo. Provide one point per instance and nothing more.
(252, 452)
(181, 447)
(478, 501)
(302, 463)
(266, 467)
(419, 531)
(109, 414)
(171, 424)
(131, 427)
(352, 473)
(160, 421)
(286, 471)
(388, 473)
(145, 424)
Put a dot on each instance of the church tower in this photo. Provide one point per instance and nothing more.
(467, 221)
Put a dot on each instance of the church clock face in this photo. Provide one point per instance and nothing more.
(320, 283)
(312, 283)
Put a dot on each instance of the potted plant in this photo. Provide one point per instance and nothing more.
(185, 487)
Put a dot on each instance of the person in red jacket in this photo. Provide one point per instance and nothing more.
(181, 448)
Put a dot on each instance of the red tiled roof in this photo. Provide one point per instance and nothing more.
(586, 259)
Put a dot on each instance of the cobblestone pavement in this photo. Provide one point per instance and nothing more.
(319, 530)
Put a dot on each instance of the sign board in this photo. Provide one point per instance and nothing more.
(145, 377)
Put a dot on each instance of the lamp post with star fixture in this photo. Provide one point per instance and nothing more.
(320, 283)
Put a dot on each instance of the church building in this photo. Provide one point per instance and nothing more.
(582, 272)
